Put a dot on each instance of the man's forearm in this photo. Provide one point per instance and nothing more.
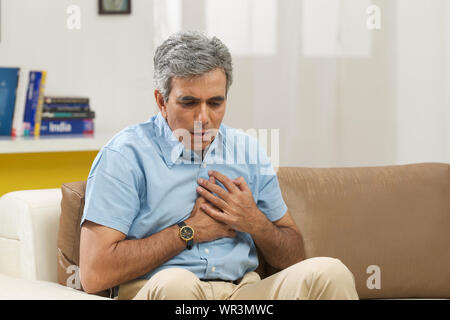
(129, 259)
(280, 246)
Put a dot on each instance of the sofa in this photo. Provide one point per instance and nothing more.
(390, 225)
(29, 222)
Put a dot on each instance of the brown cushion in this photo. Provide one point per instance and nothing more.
(395, 217)
(72, 206)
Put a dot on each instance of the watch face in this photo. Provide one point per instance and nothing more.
(186, 233)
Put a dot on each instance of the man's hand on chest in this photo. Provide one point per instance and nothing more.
(234, 207)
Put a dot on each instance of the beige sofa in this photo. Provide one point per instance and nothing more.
(390, 225)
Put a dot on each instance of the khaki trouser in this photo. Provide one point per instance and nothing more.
(314, 278)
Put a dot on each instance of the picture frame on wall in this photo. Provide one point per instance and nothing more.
(114, 6)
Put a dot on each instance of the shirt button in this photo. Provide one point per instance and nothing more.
(204, 165)
(206, 251)
(213, 269)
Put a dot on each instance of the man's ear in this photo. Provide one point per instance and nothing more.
(159, 97)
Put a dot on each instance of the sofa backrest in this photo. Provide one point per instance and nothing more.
(389, 225)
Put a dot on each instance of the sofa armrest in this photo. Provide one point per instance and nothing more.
(29, 222)
(21, 289)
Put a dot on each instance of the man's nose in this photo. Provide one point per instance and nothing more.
(203, 116)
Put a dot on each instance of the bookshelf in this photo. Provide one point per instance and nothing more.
(52, 143)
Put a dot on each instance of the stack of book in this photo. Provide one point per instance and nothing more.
(24, 111)
(67, 115)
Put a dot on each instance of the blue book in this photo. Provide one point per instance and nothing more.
(28, 100)
(31, 102)
(69, 126)
(8, 86)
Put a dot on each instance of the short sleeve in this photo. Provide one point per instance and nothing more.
(112, 191)
(270, 200)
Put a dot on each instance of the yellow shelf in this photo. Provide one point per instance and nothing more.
(25, 171)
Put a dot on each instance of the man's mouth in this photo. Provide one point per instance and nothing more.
(204, 136)
(199, 133)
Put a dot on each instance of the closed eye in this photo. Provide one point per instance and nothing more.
(215, 104)
(193, 103)
(188, 104)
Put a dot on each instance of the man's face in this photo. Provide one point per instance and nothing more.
(195, 107)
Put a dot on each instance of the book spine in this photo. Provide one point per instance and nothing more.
(28, 99)
(72, 126)
(35, 102)
(8, 86)
(65, 107)
(30, 107)
(68, 115)
(21, 98)
(66, 100)
(38, 115)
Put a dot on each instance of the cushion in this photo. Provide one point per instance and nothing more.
(72, 206)
(396, 218)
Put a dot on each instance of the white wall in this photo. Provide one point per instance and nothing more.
(108, 59)
(447, 83)
(423, 57)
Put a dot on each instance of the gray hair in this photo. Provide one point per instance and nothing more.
(188, 54)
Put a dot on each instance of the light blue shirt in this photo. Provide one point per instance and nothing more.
(144, 180)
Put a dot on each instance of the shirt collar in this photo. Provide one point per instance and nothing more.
(172, 148)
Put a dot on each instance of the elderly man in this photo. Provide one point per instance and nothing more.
(171, 214)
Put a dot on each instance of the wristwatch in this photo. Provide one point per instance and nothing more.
(186, 234)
